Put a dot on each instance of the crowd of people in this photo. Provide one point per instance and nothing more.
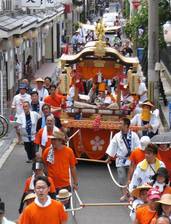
(143, 168)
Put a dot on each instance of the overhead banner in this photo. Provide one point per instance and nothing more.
(34, 4)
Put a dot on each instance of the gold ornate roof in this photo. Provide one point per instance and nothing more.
(108, 54)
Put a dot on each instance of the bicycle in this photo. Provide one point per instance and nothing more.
(4, 125)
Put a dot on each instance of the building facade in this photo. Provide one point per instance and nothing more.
(27, 30)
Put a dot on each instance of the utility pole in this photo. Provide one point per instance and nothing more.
(153, 50)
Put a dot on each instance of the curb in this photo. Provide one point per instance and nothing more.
(7, 154)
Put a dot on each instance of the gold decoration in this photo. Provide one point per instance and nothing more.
(99, 63)
(100, 31)
(100, 44)
(100, 49)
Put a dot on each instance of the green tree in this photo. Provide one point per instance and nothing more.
(139, 22)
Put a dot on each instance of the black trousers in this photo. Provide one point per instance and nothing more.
(30, 150)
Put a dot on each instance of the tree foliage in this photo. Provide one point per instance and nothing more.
(139, 22)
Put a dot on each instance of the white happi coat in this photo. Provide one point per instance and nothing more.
(143, 173)
(21, 120)
(118, 148)
(154, 122)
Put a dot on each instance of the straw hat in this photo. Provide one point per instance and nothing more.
(29, 196)
(165, 199)
(57, 135)
(147, 103)
(39, 79)
(63, 194)
(136, 192)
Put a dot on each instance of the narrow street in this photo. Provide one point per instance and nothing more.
(95, 185)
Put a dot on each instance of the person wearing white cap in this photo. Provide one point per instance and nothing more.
(42, 91)
(137, 155)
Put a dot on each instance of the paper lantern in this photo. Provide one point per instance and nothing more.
(34, 33)
(167, 32)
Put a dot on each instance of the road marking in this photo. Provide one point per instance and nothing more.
(1, 143)
(6, 154)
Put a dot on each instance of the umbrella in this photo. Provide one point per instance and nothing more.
(163, 138)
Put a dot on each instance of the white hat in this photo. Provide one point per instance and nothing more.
(145, 141)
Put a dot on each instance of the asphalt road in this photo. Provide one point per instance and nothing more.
(95, 185)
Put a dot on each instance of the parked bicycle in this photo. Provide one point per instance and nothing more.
(4, 124)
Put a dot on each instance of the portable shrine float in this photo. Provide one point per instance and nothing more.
(93, 122)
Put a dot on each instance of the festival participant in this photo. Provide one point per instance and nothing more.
(164, 207)
(42, 135)
(27, 123)
(47, 83)
(3, 219)
(163, 219)
(17, 104)
(142, 91)
(42, 91)
(146, 213)
(147, 120)
(140, 198)
(147, 168)
(137, 155)
(42, 120)
(38, 170)
(165, 154)
(43, 209)
(120, 148)
(36, 105)
(55, 101)
(58, 169)
(160, 181)
(25, 82)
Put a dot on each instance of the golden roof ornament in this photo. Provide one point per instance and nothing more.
(100, 44)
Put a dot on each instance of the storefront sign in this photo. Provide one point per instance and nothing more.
(33, 3)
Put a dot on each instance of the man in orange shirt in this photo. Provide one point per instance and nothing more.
(164, 151)
(145, 213)
(42, 135)
(43, 209)
(137, 155)
(38, 170)
(59, 159)
(55, 101)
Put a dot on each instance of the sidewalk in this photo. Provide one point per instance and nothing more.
(8, 142)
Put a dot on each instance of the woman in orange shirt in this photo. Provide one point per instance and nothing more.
(146, 213)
